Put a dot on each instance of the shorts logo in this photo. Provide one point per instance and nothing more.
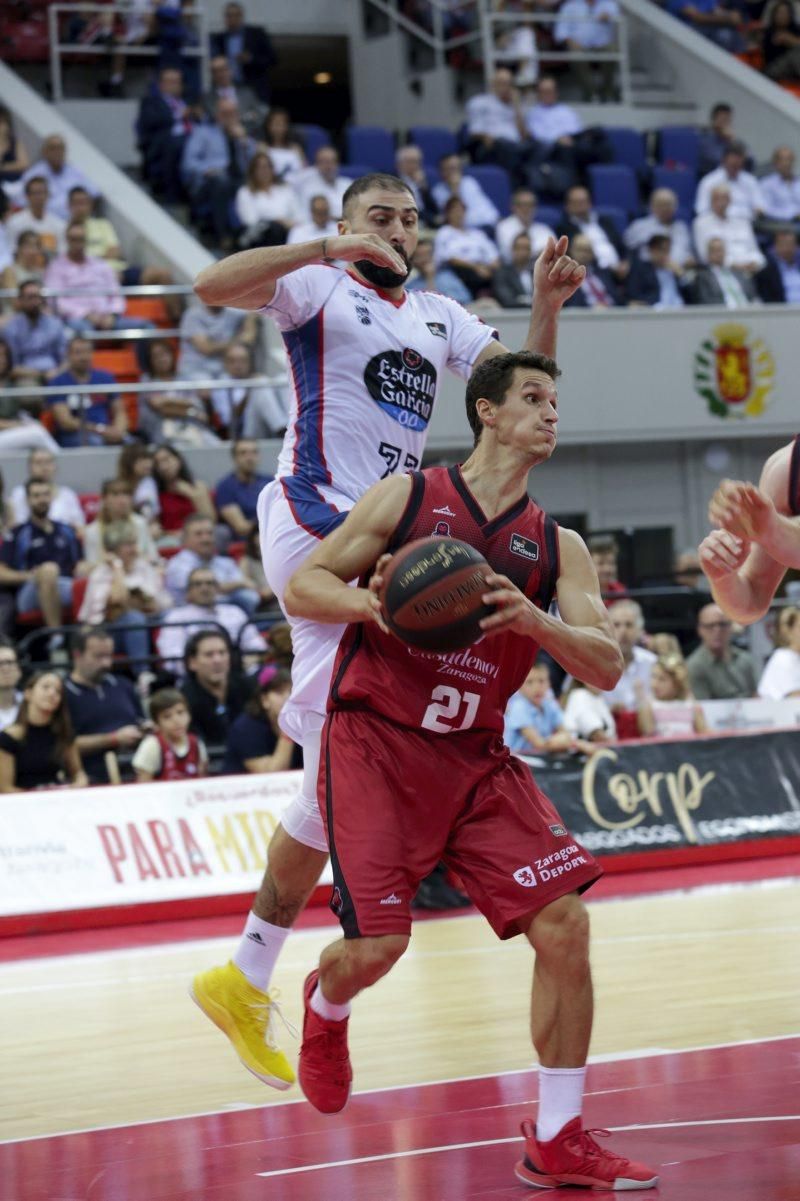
(437, 328)
(392, 899)
(559, 831)
(525, 547)
(441, 529)
(362, 312)
(337, 904)
(525, 876)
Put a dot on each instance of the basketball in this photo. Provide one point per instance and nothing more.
(432, 592)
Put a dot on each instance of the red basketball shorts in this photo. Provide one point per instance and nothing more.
(395, 801)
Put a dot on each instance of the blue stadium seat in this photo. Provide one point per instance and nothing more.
(495, 183)
(614, 184)
(434, 141)
(313, 137)
(627, 144)
(617, 215)
(679, 144)
(354, 170)
(682, 183)
(370, 144)
(549, 214)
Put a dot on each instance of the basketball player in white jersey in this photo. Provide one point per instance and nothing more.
(758, 537)
(366, 359)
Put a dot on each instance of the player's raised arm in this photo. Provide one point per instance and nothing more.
(320, 588)
(247, 280)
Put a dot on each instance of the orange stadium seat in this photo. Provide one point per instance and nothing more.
(148, 308)
(122, 363)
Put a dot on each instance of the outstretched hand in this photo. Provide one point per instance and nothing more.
(742, 509)
(722, 553)
(556, 276)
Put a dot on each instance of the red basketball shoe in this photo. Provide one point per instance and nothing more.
(573, 1157)
(324, 1070)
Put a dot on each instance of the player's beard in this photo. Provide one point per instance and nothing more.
(384, 277)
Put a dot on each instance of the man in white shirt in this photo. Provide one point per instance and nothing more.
(780, 190)
(580, 218)
(746, 199)
(38, 217)
(198, 551)
(321, 224)
(467, 252)
(496, 126)
(480, 210)
(633, 689)
(65, 506)
(742, 251)
(410, 167)
(590, 25)
(323, 179)
(522, 220)
(717, 283)
(202, 610)
(60, 176)
(549, 120)
(661, 219)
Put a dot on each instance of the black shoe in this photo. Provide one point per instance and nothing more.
(435, 893)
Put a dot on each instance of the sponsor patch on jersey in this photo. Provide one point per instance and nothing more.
(559, 831)
(403, 383)
(525, 547)
(437, 328)
(441, 529)
(362, 312)
(525, 876)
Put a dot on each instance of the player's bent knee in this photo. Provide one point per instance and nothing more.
(561, 930)
(374, 957)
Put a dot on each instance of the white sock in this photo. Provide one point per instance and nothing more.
(560, 1100)
(259, 949)
(326, 1009)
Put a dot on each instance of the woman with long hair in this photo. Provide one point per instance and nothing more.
(14, 159)
(781, 675)
(168, 414)
(38, 749)
(266, 207)
(116, 505)
(781, 44)
(18, 430)
(283, 145)
(672, 712)
(179, 495)
(135, 466)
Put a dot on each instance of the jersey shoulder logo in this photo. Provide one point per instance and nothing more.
(437, 328)
(525, 547)
(362, 312)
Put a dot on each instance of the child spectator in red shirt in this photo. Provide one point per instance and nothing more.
(171, 753)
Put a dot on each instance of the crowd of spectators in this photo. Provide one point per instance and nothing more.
(763, 33)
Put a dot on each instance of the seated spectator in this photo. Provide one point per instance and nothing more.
(179, 494)
(283, 145)
(744, 189)
(714, 283)
(580, 218)
(663, 644)
(38, 749)
(427, 277)
(58, 174)
(716, 138)
(86, 418)
(522, 220)
(252, 410)
(515, 47)
(496, 128)
(266, 208)
(102, 242)
(252, 567)
(599, 288)
(198, 551)
(671, 711)
(780, 190)
(633, 689)
(247, 48)
(204, 610)
(781, 43)
(410, 167)
(718, 20)
(534, 721)
(38, 558)
(236, 494)
(512, 283)
(162, 127)
(171, 415)
(116, 506)
(605, 555)
(662, 219)
(214, 165)
(480, 210)
(321, 224)
(549, 120)
(135, 467)
(255, 741)
(323, 179)
(13, 155)
(779, 281)
(781, 675)
(171, 752)
(223, 87)
(206, 333)
(718, 669)
(18, 431)
(586, 25)
(741, 249)
(38, 341)
(65, 506)
(38, 217)
(105, 710)
(30, 261)
(10, 695)
(587, 715)
(656, 281)
(101, 305)
(216, 692)
(468, 253)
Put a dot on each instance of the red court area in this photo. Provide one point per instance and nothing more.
(719, 1124)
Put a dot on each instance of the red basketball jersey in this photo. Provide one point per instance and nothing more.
(794, 478)
(179, 767)
(467, 689)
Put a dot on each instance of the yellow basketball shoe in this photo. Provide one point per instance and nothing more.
(246, 1015)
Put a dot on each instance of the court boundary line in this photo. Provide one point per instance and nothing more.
(606, 1057)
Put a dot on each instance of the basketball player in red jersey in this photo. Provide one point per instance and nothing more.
(758, 537)
(414, 768)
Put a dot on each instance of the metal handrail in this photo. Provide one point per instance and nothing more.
(178, 385)
(137, 290)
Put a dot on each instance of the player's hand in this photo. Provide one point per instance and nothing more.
(722, 553)
(374, 608)
(513, 610)
(555, 275)
(352, 247)
(743, 510)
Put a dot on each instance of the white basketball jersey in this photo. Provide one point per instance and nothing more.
(366, 372)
